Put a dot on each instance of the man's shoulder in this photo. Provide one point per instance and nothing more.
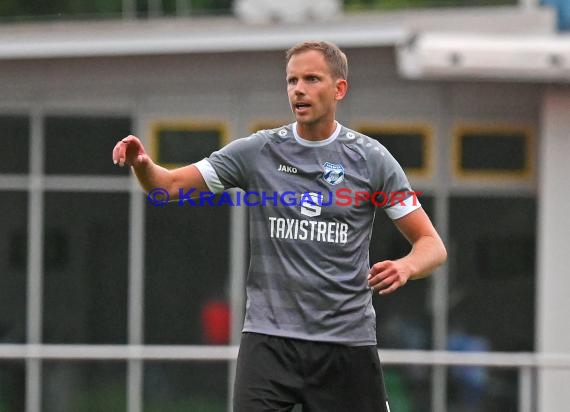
(366, 146)
(276, 134)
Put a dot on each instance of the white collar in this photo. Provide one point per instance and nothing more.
(317, 143)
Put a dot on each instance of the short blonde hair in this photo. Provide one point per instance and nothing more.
(335, 58)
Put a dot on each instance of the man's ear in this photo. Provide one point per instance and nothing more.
(341, 89)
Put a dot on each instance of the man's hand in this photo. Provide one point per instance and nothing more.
(129, 151)
(387, 276)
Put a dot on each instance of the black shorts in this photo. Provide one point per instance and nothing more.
(274, 374)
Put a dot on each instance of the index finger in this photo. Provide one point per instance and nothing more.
(378, 267)
(119, 152)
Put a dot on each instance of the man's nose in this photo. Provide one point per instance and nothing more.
(299, 88)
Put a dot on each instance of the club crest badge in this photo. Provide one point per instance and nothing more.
(334, 173)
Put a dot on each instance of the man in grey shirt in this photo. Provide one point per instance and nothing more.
(313, 187)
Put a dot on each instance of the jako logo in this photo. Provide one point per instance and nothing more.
(287, 169)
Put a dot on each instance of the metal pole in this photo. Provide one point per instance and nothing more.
(525, 389)
(440, 280)
(35, 263)
(238, 259)
(135, 367)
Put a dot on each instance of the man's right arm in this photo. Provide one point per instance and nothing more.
(130, 151)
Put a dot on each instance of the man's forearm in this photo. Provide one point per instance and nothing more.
(426, 255)
(150, 175)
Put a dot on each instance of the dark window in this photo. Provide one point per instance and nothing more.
(13, 266)
(181, 146)
(13, 387)
(83, 145)
(15, 141)
(186, 271)
(84, 386)
(493, 151)
(491, 293)
(85, 267)
(491, 251)
(492, 279)
(186, 386)
(408, 147)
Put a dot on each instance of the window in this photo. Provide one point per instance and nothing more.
(15, 141)
(482, 151)
(84, 386)
(187, 274)
(13, 387)
(185, 386)
(85, 267)
(491, 290)
(179, 144)
(82, 145)
(13, 266)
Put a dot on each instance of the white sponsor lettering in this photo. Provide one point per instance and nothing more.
(310, 204)
(300, 229)
(287, 169)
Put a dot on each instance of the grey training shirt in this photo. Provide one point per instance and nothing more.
(310, 228)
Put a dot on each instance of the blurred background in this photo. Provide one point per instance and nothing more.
(110, 304)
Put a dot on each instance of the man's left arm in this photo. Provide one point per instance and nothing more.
(427, 253)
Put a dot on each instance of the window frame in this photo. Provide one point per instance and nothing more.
(462, 129)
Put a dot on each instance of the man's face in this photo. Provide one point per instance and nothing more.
(312, 90)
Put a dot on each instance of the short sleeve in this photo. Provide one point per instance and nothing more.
(231, 164)
(391, 184)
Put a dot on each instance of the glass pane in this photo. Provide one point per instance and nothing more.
(498, 152)
(15, 141)
(183, 146)
(85, 267)
(93, 140)
(189, 386)
(13, 266)
(186, 264)
(84, 386)
(403, 318)
(475, 388)
(12, 386)
(491, 294)
(408, 387)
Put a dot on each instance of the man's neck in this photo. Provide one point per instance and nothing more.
(316, 132)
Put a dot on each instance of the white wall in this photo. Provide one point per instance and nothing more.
(553, 305)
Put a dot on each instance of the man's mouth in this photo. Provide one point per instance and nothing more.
(301, 106)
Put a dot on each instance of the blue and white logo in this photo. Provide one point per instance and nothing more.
(334, 173)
